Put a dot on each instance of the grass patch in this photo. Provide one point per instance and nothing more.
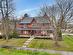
(66, 44)
(13, 42)
(22, 52)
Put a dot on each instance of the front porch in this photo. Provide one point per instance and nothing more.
(35, 32)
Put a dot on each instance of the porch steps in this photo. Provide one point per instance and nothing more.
(28, 42)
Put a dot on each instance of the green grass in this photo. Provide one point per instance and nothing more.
(66, 44)
(13, 42)
(22, 52)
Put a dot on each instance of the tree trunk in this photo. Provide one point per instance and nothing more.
(5, 29)
(6, 37)
(55, 38)
(59, 33)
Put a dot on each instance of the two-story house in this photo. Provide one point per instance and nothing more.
(34, 26)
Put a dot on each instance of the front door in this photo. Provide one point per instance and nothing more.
(33, 32)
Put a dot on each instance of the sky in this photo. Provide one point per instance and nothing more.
(30, 7)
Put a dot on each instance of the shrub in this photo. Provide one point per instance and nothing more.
(14, 34)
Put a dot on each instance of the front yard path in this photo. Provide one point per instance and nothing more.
(28, 41)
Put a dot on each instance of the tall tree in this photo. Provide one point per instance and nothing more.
(6, 11)
(65, 8)
(60, 14)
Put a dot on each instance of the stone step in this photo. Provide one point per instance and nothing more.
(30, 38)
(27, 42)
(24, 46)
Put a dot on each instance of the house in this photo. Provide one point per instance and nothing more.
(39, 26)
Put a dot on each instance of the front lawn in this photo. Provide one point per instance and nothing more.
(22, 52)
(66, 44)
(13, 42)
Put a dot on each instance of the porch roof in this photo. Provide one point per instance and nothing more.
(33, 29)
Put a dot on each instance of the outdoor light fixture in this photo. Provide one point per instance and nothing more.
(0, 33)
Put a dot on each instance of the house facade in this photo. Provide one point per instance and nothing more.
(39, 26)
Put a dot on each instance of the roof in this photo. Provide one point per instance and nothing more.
(38, 20)
(42, 20)
(26, 20)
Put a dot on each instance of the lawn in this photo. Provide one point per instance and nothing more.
(13, 42)
(66, 44)
(22, 52)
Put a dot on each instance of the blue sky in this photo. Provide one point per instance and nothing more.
(30, 6)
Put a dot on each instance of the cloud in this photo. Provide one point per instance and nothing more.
(31, 12)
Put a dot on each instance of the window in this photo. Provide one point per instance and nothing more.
(21, 31)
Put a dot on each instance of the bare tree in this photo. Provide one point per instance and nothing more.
(6, 11)
(43, 10)
(60, 14)
(65, 8)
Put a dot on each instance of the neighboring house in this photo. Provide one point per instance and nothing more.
(34, 26)
(68, 29)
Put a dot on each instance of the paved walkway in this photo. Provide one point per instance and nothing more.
(28, 42)
(48, 51)
(67, 34)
